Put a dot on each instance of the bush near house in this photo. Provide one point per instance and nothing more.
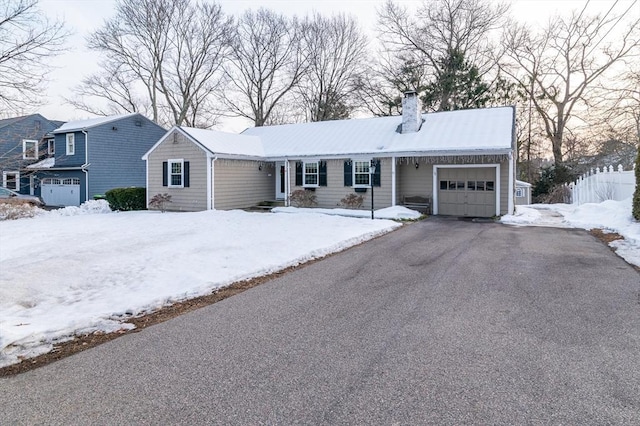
(125, 199)
(636, 195)
(303, 198)
(352, 201)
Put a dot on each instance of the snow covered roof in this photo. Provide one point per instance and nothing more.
(463, 132)
(452, 132)
(523, 183)
(227, 143)
(71, 126)
(47, 163)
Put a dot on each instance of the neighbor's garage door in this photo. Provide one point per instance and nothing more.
(60, 192)
(467, 191)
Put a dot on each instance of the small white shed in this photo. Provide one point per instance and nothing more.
(523, 193)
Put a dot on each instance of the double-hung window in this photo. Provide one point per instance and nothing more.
(71, 144)
(29, 149)
(11, 180)
(176, 173)
(361, 173)
(311, 171)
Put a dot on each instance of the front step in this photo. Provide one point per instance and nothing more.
(265, 206)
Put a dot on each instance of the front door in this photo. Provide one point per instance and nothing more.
(280, 181)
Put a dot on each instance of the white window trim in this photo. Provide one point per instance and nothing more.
(17, 180)
(51, 146)
(24, 149)
(304, 174)
(353, 172)
(169, 163)
(70, 137)
(520, 193)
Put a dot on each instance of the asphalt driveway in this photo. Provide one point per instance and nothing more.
(440, 322)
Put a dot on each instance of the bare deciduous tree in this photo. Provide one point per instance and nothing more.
(560, 66)
(266, 64)
(168, 57)
(27, 41)
(440, 31)
(336, 49)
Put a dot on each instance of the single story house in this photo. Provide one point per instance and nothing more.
(93, 156)
(523, 193)
(457, 162)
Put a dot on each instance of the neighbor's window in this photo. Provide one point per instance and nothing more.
(51, 146)
(71, 144)
(519, 192)
(176, 175)
(11, 180)
(29, 149)
(361, 173)
(311, 174)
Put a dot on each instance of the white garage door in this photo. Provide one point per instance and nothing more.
(61, 192)
(467, 191)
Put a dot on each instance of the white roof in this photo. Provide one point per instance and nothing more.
(88, 123)
(47, 163)
(475, 131)
(522, 183)
(455, 132)
(227, 143)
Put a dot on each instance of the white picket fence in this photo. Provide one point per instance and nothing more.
(601, 185)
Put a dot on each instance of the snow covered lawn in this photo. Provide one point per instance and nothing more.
(66, 271)
(611, 216)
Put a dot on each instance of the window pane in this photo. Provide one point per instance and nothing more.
(443, 185)
(480, 185)
(471, 185)
(362, 179)
(176, 180)
(176, 168)
(490, 186)
(311, 179)
(452, 185)
(460, 185)
(311, 167)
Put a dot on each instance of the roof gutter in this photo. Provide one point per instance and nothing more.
(86, 165)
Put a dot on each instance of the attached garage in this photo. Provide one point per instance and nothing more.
(60, 192)
(468, 191)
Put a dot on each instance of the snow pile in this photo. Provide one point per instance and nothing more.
(611, 216)
(11, 210)
(395, 213)
(88, 207)
(67, 275)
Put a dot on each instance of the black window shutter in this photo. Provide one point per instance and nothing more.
(298, 173)
(376, 175)
(322, 173)
(165, 173)
(186, 174)
(348, 178)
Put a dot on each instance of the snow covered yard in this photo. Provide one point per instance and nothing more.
(70, 272)
(611, 216)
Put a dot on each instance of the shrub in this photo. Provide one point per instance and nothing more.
(636, 194)
(352, 201)
(125, 199)
(160, 201)
(304, 198)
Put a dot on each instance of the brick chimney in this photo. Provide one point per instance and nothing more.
(411, 116)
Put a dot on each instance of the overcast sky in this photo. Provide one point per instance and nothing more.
(84, 16)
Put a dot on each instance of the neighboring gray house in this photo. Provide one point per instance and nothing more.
(95, 155)
(459, 162)
(24, 141)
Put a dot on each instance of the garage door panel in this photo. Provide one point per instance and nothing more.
(467, 191)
